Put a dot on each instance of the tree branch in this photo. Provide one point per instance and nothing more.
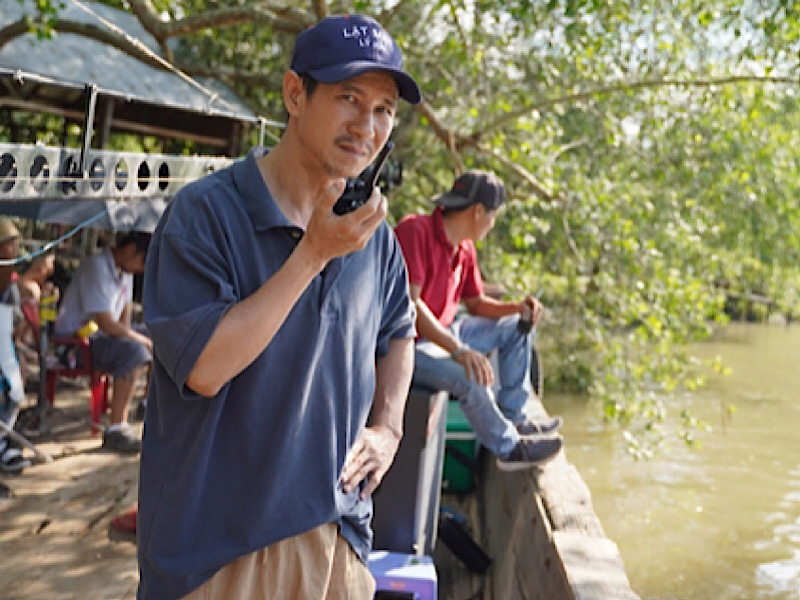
(449, 138)
(320, 9)
(149, 18)
(268, 80)
(13, 30)
(623, 87)
(237, 16)
(541, 191)
(281, 18)
(538, 187)
(127, 45)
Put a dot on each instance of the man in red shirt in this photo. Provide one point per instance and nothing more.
(439, 249)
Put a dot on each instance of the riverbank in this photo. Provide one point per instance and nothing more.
(719, 522)
(542, 534)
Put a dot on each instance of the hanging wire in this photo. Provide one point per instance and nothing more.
(6, 262)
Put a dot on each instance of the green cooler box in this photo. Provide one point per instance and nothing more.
(461, 450)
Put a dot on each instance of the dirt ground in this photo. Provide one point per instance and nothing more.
(55, 539)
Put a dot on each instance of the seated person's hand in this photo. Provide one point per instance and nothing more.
(477, 366)
(536, 308)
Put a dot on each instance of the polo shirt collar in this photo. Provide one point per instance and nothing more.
(262, 209)
(438, 228)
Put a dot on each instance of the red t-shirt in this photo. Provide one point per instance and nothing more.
(445, 276)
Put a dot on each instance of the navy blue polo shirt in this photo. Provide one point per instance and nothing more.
(260, 461)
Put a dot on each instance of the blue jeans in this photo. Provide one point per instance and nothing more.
(492, 418)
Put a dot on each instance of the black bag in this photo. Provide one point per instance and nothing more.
(455, 536)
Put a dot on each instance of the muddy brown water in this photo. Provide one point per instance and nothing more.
(721, 522)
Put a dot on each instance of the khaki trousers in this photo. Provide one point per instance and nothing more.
(316, 565)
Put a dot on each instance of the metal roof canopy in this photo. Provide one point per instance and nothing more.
(52, 76)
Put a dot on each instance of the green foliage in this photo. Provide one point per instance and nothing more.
(656, 201)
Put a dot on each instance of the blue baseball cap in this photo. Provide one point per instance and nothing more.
(344, 46)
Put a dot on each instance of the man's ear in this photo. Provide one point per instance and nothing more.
(293, 92)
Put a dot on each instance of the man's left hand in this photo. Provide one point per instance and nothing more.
(371, 456)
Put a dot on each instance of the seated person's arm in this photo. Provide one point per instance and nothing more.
(125, 316)
(486, 306)
(109, 325)
(428, 326)
(475, 364)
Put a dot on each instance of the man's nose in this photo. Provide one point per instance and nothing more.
(363, 124)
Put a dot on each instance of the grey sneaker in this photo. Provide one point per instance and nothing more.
(11, 458)
(530, 452)
(539, 426)
(122, 441)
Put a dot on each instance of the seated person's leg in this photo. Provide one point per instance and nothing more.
(439, 371)
(514, 359)
(12, 394)
(514, 364)
(492, 429)
(123, 359)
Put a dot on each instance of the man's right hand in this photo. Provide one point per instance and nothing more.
(329, 235)
(477, 366)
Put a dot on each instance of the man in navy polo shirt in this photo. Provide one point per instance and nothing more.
(439, 249)
(278, 327)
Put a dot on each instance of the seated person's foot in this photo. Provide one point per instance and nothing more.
(539, 425)
(126, 522)
(11, 458)
(122, 440)
(530, 452)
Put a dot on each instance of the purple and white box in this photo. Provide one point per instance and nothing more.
(403, 575)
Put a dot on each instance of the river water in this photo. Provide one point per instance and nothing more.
(721, 522)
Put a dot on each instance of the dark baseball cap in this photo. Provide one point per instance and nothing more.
(344, 46)
(474, 186)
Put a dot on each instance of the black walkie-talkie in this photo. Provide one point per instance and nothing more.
(358, 190)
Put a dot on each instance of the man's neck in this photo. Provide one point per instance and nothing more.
(455, 227)
(290, 186)
(116, 255)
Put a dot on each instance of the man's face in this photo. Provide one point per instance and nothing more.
(133, 263)
(344, 125)
(484, 220)
(9, 249)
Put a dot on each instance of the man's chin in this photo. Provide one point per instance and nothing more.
(340, 171)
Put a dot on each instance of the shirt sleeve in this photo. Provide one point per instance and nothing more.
(187, 290)
(399, 314)
(412, 243)
(95, 290)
